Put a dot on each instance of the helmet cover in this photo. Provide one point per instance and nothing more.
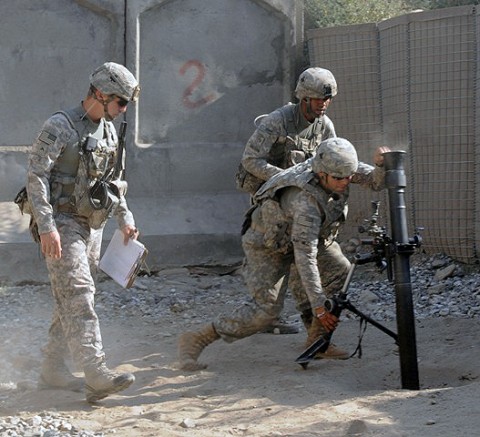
(336, 157)
(114, 79)
(316, 83)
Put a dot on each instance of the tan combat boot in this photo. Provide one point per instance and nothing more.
(191, 345)
(333, 352)
(55, 375)
(100, 382)
(307, 318)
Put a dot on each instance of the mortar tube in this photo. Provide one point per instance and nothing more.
(395, 180)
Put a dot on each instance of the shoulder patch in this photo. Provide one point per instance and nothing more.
(304, 220)
(47, 137)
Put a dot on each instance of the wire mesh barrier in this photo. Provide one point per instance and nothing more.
(411, 83)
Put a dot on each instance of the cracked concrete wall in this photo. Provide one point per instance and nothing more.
(207, 69)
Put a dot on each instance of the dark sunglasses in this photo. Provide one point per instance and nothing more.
(341, 179)
(122, 102)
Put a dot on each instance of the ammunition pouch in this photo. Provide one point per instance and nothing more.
(245, 181)
(21, 199)
(95, 196)
(334, 228)
(99, 202)
(276, 225)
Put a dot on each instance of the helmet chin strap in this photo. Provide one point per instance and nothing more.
(105, 103)
(322, 178)
(309, 108)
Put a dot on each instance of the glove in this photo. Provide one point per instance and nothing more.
(326, 319)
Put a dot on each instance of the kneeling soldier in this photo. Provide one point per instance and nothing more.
(295, 219)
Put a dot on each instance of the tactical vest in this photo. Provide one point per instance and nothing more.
(306, 144)
(334, 208)
(94, 192)
(286, 151)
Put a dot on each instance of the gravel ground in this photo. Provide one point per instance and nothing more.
(189, 297)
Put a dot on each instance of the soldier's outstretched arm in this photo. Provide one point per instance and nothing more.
(372, 177)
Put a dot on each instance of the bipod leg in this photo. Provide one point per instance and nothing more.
(322, 343)
(319, 345)
(348, 305)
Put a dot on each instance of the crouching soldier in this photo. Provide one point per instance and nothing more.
(296, 219)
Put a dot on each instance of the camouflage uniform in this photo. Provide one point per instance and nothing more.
(285, 138)
(74, 185)
(300, 227)
(271, 148)
(53, 165)
(295, 219)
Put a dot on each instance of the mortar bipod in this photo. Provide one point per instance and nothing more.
(336, 305)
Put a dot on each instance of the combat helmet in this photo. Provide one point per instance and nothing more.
(114, 79)
(316, 83)
(336, 157)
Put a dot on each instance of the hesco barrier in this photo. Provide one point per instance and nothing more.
(412, 83)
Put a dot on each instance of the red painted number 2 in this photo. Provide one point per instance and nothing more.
(198, 79)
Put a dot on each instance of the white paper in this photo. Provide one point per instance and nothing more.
(121, 261)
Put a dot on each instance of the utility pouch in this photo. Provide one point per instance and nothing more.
(331, 233)
(95, 199)
(247, 222)
(120, 185)
(296, 157)
(21, 199)
(246, 181)
(276, 225)
(98, 203)
(110, 195)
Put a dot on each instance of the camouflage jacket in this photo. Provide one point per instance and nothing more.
(54, 160)
(284, 138)
(312, 215)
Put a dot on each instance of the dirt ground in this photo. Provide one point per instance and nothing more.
(253, 387)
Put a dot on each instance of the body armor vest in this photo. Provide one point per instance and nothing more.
(94, 191)
(286, 151)
(334, 207)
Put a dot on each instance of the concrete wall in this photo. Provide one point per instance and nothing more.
(207, 69)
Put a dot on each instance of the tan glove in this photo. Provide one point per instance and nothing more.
(327, 319)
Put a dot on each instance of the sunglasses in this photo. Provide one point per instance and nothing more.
(341, 179)
(122, 102)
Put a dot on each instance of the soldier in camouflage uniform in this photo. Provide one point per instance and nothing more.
(283, 138)
(296, 219)
(76, 150)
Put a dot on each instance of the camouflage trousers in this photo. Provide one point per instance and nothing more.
(266, 275)
(74, 327)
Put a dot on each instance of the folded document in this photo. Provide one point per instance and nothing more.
(122, 261)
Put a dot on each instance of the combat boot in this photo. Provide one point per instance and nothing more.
(307, 318)
(191, 345)
(333, 352)
(100, 382)
(55, 375)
